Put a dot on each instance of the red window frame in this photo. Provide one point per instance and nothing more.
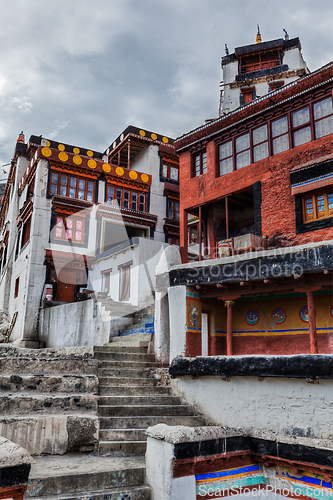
(72, 186)
(70, 229)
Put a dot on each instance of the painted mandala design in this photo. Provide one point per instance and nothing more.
(304, 314)
(279, 315)
(252, 318)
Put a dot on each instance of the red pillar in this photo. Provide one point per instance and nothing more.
(312, 323)
(228, 304)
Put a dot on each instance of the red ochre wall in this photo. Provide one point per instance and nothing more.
(265, 337)
(278, 205)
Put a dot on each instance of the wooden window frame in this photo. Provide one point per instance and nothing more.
(122, 270)
(68, 187)
(303, 126)
(17, 287)
(65, 227)
(201, 157)
(327, 213)
(26, 231)
(120, 201)
(318, 120)
(169, 166)
(190, 228)
(173, 210)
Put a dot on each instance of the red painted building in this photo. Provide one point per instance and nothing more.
(256, 192)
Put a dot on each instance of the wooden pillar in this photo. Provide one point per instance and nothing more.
(200, 234)
(312, 323)
(226, 217)
(185, 229)
(129, 153)
(228, 304)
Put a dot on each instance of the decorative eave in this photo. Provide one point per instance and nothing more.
(62, 258)
(126, 215)
(70, 206)
(171, 189)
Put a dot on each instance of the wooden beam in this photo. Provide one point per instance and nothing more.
(200, 234)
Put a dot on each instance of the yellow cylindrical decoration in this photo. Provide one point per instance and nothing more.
(92, 164)
(90, 153)
(106, 167)
(63, 156)
(77, 160)
(144, 177)
(119, 171)
(133, 175)
(61, 147)
(46, 152)
(258, 37)
(76, 151)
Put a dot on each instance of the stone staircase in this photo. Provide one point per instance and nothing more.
(130, 399)
(49, 399)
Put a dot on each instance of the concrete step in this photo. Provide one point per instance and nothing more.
(117, 348)
(122, 435)
(21, 404)
(125, 373)
(125, 381)
(122, 448)
(143, 422)
(132, 340)
(134, 365)
(124, 493)
(37, 366)
(138, 330)
(75, 473)
(48, 383)
(150, 399)
(124, 356)
(133, 390)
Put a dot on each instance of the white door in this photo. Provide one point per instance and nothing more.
(204, 334)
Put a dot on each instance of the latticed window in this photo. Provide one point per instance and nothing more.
(243, 156)
(200, 163)
(226, 158)
(280, 135)
(318, 205)
(260, 143)
(71, 186)
(69, 229)
(323, 116)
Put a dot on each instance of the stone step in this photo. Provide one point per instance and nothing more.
(47, 383)
(143, 410)
(76, 473)
(143, 422)
(122, 435)
(125, 381)
(116, 348)
(47, 366)
(134, 365)
(150, 399)
(124, 493)
(124, 356)
(125, 373)
(122, 448)
(138, 330)
(133, 390)
(21, 404)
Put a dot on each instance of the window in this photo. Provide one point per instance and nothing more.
(275, 85)
(69, 229)
(193, 234)
(301, 122)
(200, 164)
(173, 209)
(72, 187)
(170, 171)
(17, 286)
(247, 95)
(243, 157)
(126, 199)
(106, 280)
(318, 205)
(323, 116)
(226, 158)
(110, 195)
(280, 135)
(124, 281)
(260, 143)
(26, 231)
(142, 206)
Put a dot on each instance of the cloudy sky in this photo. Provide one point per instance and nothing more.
(80, 71)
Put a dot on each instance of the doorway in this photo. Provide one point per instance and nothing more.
(204, 333)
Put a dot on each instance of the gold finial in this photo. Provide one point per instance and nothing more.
(258, 37)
